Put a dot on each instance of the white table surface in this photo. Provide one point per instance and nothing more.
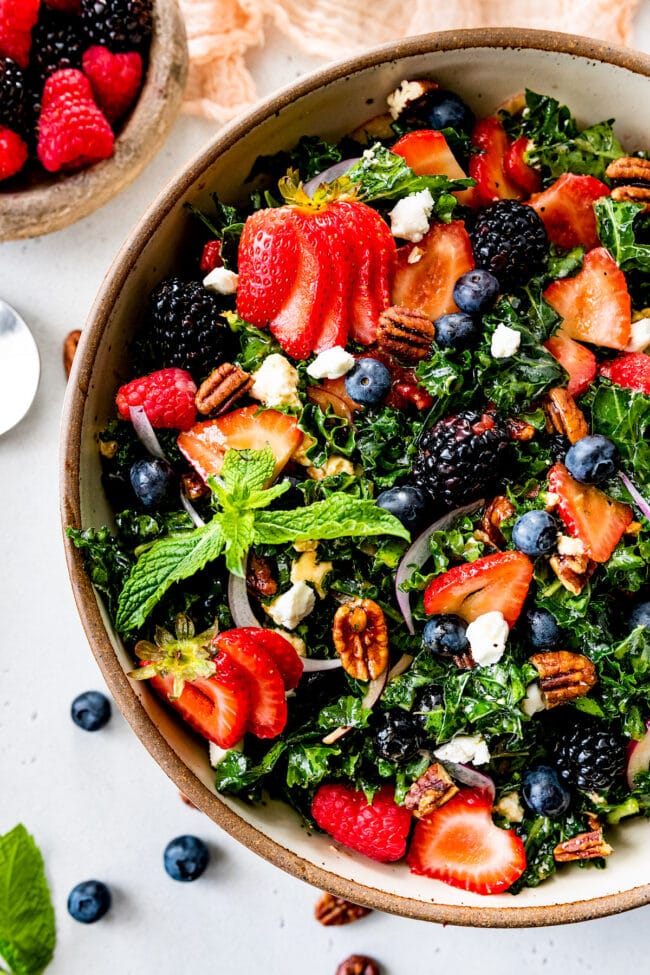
(97, 804)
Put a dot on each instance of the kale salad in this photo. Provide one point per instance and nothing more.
(379, 484)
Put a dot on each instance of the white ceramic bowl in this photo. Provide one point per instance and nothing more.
(485, 67)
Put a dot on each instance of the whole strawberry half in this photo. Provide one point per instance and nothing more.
(460, 845)
(378, 830)
(494, 582)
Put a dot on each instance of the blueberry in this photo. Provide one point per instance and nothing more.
(408, 503)
(540, 628)
(475, 290)
(543, 792)
(90, 710)
(89, 901)
(447, 110)
(640, 615)
(458, 330)
(429, 699)
(151, 480)
(535, 533)
(396, 737)
(368, 382)
(185, 858)
(592, 459)
(446, 635)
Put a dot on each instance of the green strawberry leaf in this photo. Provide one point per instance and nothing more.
(27, 927)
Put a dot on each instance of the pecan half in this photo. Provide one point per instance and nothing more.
(519, 429)
(358, 965)
(563, 675)
(584, 846)
(633, 194)
(433, 789)
(223, 386)
(194, 486)
(629, 167)
(332, 911)
(70, 343)
(573, 571)
(497, 511)
(564, 415)
(361, 638)
(405, 333)
(259, 577)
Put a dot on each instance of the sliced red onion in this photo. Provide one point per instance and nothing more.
(329, 175)
(197, 520)
(418, 554)
(468, 776)
(240, 607)
(638, 498)
(311, 665)
(145, 432)
(373, 693)
(402, 664)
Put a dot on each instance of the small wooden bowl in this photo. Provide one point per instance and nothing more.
(49, 202)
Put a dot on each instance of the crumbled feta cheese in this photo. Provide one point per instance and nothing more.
(570, 546)
(276, 382)
(533, 701)
(221, 280)
(510, 806)
(416, 255)
(407, 92)
(307, 569)
(218, 754)
(369, 155)
(639, 335)
(331, 364)
(333, 465)
(409, 218)
(487, 637)
(292, 606)
(464, 748)
(505, 342)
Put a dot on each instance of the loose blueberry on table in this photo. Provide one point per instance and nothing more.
(89, 901)
(387, 516)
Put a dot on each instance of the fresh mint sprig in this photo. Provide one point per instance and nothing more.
(27, 928)
(242, 495)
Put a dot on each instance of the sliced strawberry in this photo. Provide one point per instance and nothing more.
(589, 514)
(428, 284)
(631, 371)
(578, 360)
(248, 428)
(334, 316)
(595, 304)
(284, 654)
(299, 317)
(268, 703)
(268, 264)
(460, 845)
(518, 170)
(487, 166)
(218, 707)
(567, 209)
(374, 260)
(427, 152)
(495, 582)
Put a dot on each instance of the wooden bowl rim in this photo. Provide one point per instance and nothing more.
(72, 421)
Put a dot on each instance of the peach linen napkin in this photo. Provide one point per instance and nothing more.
(220, 32)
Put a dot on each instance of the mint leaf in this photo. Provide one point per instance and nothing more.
(27, 929)
(245, 471)
(169, 560)
(340, 516)
(238, 532)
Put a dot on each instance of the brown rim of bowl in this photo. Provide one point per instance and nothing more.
(121, 687)
(57, 202)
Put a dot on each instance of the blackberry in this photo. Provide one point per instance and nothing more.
(460, 457)
(510, 241)
(120, 25)
(186, 328)
(57, 43)
(13, 95)
(589, 756)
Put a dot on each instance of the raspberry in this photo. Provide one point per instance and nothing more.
(114, 78)
(13, 153)
(211, 256)
(167, 397)
(72, 131)
(379, 831)
(17, 17)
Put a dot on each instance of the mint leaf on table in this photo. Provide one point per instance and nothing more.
(27, 928)
(341, 516)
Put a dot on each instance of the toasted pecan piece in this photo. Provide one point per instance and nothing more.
(358, 965)
(331, 911)
(361, 638)
(563, 675)
(405, 333)
(564, 415)
(225, 384)
(584, 846)
(628, 167)
(633, 194)
(573, 571)
(433, 789)
(70, 343)
(498, 510)
(259, 578)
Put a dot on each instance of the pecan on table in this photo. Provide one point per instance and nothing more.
(433, 789)
(223, 386)
(332, 911)
(70, 343)
(563, 675)
(405, 333)
(584, 846)
(564, 415)
(360, 637)
(358, 965)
